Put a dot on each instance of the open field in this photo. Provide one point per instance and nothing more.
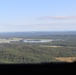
(66, 59)
(51, 46)
(9, 40)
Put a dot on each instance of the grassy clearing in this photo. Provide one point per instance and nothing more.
(51, 46)
(8, 40)
(66, 59)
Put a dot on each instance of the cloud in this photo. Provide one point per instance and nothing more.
(57, 17)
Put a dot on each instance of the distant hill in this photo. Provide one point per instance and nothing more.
(31, 34)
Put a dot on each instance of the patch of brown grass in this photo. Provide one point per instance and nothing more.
(66, 59)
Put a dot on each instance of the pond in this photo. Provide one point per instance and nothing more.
(37, 40)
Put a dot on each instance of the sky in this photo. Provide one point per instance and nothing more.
(37, 15)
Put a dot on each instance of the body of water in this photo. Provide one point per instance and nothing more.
(37, 41)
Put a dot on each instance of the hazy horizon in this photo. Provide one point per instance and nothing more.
(35, 31)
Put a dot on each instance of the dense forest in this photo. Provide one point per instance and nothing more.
(20, 52)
